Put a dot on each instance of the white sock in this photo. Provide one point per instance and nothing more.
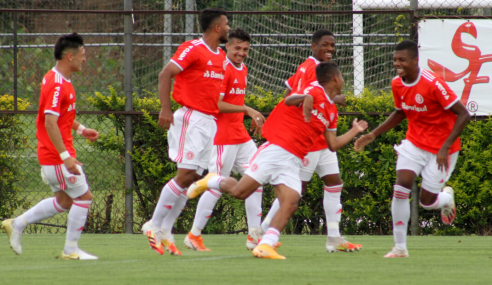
(271, 237)
(172, 216)
(214, 182)
(271, 213)
(77, 217)
(443, 199)
(400, 212)
(169, 195)
(253, 209)
(44, 209)
(333, 209)
(204, 210)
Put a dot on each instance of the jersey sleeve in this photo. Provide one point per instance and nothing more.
(290, 82)
(309, 76)
(185, 55)
(333, 119)
(443, 94)
(227, 82)
(396, 95)
(53, 101)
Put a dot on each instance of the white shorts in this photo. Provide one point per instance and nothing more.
(231, 158)
(191, 138)
(324, 161)
(273, 164)
(58, 178)
(424, 163)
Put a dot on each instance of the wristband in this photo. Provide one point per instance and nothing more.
(64, 155)
(80, 129)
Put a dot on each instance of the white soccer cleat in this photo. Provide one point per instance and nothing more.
(334, 244)
(397, 252)
(257, 235)
(251, 243)
(80, 255)
(448, 213)
(13, 235)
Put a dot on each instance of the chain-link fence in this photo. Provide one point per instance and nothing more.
(280, 30)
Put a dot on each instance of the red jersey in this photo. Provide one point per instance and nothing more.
(426, 104)
(286, 127)
(230, 126)
(197, 86)
(57, 98)
(305, 74)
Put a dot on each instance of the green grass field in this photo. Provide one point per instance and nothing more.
(127, 259)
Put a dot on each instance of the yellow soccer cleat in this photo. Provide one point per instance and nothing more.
(13, 235)
(200, 186)
(266, 251)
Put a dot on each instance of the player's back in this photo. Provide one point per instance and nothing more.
(230, 126)
(198, 84)
(57, 98)
(286, 127)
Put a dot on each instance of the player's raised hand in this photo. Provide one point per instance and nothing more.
(307, 107)
(360, 126)
(71, 165)
(166, 118)
(340, 100)
(90, 134)
(364, 140)
(442, 159)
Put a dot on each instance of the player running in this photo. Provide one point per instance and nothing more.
(319, 157)
(290, 131)
(436, 118)
(198, 70)
(60, 168)
(233, 147)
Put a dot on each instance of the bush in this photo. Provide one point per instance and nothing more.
(13, 140)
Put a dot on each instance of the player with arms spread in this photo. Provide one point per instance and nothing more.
(233, 147)
(198, 70)
(290, 130)
(436, 118)
(60, 168)
(320, 157)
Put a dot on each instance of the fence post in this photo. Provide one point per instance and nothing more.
(14, 16)
(190, 19)
(168, 28)
(128, 22)
(414, 218)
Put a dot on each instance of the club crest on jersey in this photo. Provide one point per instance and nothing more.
(254, 167)
(55, 96)
(190, 155)
(305, 162)
(72, 179)
(213, 74)
(419, 99)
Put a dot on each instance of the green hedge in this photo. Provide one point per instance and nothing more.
(368, 176)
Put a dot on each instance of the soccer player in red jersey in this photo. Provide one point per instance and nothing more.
(60, 168)
(290, 130)
(319, 157)
(198, 70)
(436, 118)
(233, 147)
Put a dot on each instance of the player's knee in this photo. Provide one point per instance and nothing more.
(289, 207)
(185, 179)
(65, 202)
(87, 196)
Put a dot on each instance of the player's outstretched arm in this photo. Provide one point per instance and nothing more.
(393, 120)
(307, 104)
(461, 120)
(165, 82)
(55, 136)
(87, 133)
(335, 143)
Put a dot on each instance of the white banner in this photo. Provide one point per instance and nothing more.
(460, 51)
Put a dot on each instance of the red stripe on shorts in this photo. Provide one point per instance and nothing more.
(218, 162)
(60, 178)
(184, 128)
(262, 147)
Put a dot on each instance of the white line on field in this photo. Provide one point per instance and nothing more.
(68, 265)
(214, 257)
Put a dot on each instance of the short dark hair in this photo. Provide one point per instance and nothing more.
(239, 34)
(72, 41)
(208, 17)
(319, 34)
(325, 71)
(410, 46)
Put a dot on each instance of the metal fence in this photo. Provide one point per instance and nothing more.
(127, 48)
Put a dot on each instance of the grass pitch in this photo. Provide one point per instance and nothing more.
(127, 259)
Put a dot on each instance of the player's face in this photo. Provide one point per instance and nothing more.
(405, 65)
(77, 59)
(237, 51)
(224, 29)
(325, 49)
